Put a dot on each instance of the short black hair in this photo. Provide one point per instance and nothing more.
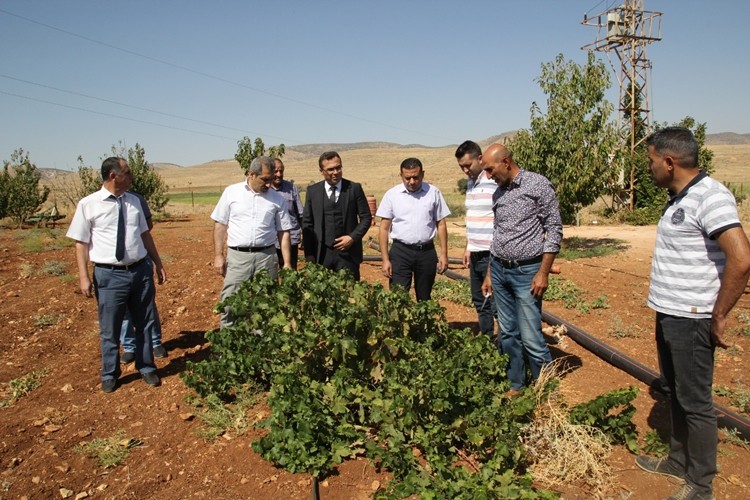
(328, 155)
(411, 163)
(678, 142)
(468, 147)
(111, 164)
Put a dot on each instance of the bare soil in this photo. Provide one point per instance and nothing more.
(39, 431)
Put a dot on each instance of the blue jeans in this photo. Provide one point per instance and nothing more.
(686, 361)
(485, 309)
(119, 290)
(520, 317)
(152, 330)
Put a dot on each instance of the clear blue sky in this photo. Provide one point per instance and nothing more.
(188, 79)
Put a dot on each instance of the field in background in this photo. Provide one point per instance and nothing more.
(377, 169)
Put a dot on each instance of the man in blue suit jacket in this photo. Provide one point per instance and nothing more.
(335, 219)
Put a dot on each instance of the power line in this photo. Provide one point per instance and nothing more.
(214, 77)
(140, 108)
(112, 115)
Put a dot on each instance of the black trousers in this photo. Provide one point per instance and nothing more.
(408, 262)
(336, 260)
(294, 259)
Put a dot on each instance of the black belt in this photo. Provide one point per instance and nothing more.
(484, 253)
(252, 249)
(122, 268)
(417, 246)
(511, 264)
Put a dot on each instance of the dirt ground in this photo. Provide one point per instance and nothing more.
(50, 326)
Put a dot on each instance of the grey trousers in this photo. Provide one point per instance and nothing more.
(241, 266)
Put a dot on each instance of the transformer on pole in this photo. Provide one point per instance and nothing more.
(626, 31)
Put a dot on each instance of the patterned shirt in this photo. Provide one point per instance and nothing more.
(479, 216)
(527, 218)
(688, 263)
(414, 216)
(294, 206)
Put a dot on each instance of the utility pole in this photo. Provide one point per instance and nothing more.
(626, 31)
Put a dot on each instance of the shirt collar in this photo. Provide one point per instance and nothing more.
(422, 188)
(105, 193)
(695, 180)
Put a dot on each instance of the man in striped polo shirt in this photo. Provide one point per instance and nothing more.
(700, 268)
(479, 225)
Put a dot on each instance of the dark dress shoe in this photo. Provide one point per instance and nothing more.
(152, 379)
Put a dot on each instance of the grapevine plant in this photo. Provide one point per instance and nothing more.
(353, 369)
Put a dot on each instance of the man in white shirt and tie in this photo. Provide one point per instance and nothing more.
(110, 230)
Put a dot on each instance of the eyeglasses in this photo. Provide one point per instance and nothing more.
(331, 170)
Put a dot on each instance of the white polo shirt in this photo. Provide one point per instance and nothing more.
(95, 223)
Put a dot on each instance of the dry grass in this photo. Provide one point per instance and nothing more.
(563, 454)
(731, 162)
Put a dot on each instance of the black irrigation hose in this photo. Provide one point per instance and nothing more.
(726, 417)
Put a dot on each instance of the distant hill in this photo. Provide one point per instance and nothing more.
(727, 138)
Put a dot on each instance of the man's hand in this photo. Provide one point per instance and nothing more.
(718, 326)
(467, 259)
(342, 243)
(442, 264)
(87, 288)
(220, 265)
(487, 286)
(387, 269)
(161, 275)
(539, 285)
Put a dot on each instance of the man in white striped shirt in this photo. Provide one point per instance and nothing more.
(479, 225)
(700, 268)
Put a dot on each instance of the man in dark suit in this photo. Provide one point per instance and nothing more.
(335, 219)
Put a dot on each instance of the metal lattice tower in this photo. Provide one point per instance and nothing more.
(626, 31)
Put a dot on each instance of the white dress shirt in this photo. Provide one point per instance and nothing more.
(95, 223)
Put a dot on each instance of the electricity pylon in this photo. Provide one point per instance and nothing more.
(626, 31)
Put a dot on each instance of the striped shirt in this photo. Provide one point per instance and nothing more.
(479, 216)
(527, 218)
(688, 263)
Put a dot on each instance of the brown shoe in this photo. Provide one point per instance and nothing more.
(512, 393)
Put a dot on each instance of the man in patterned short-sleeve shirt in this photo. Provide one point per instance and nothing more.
(525, 241)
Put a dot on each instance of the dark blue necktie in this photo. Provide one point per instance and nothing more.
(333, 195)
(120, 246)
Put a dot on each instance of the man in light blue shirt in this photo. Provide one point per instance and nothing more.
(412, 213)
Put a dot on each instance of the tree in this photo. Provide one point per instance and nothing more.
(247, 151)
(146, 181)
(462, 185)
(4, 186)
(575, 145)
(20, 187)
(650, 199)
